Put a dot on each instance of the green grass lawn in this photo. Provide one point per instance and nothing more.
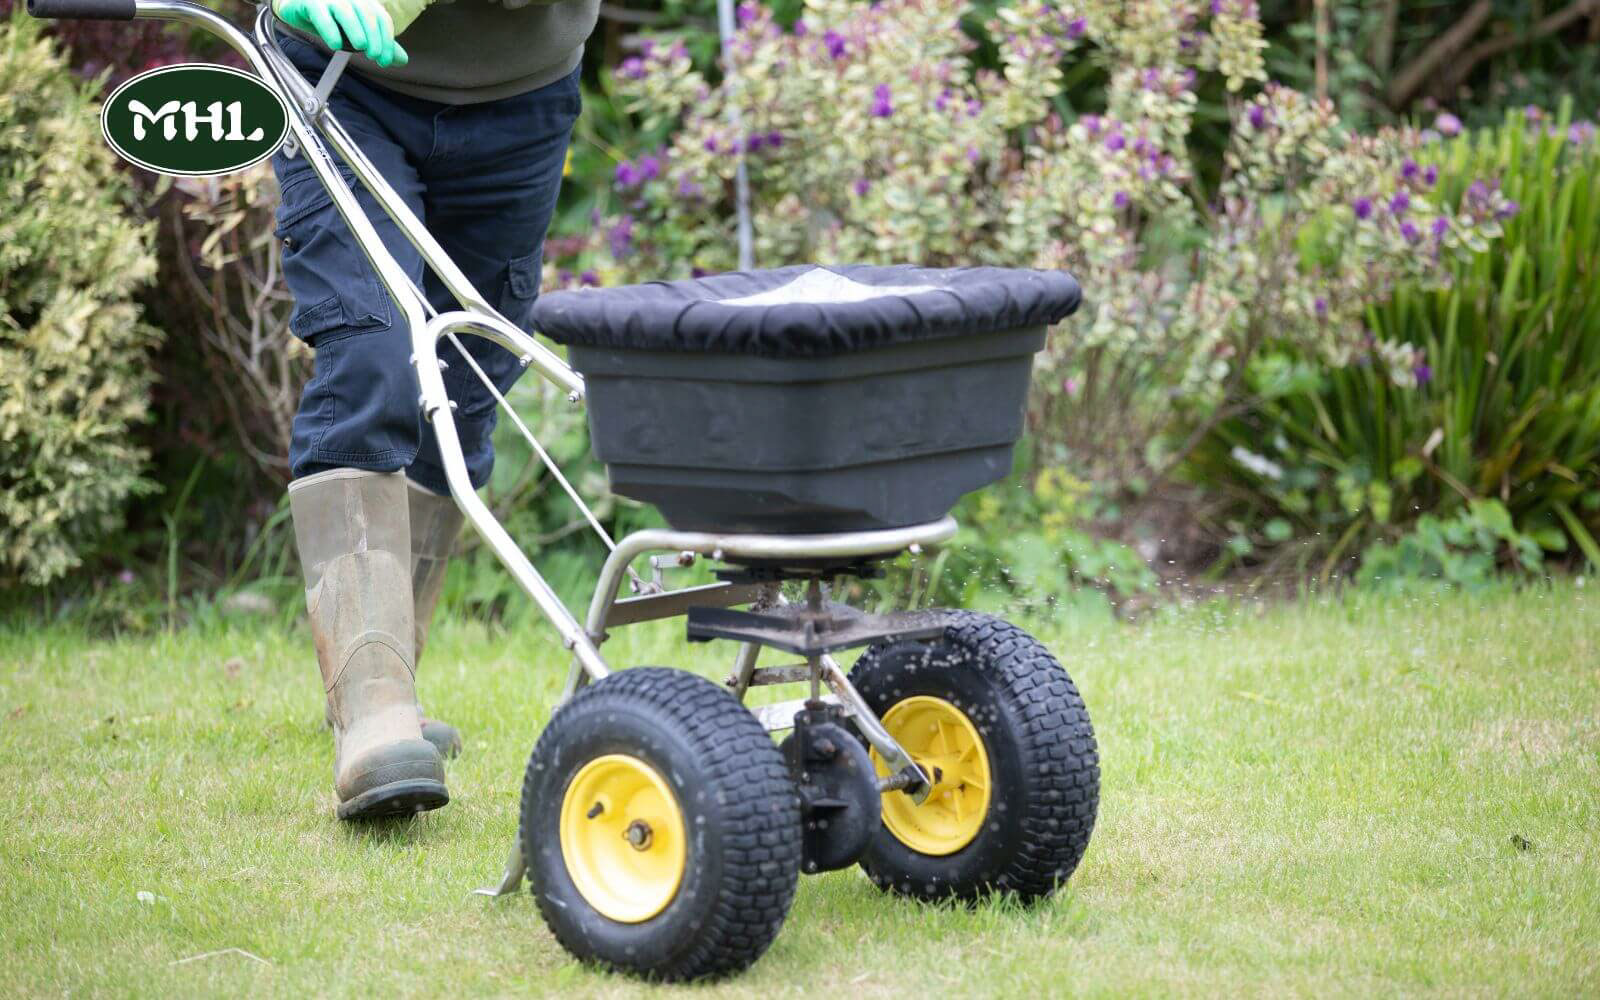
(1346, 796)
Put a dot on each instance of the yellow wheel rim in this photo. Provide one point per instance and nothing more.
(622, 838)
(946, 745)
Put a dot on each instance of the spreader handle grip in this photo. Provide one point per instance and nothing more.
(88, 10)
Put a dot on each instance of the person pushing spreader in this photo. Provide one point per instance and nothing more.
(793, 426)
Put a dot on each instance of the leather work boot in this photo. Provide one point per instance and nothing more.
(435, 523)
(353, 531)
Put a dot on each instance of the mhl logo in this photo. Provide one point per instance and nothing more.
(167, 117)
(194, 120)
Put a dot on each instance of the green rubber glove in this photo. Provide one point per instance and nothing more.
(365, 23)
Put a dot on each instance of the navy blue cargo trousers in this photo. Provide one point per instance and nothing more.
(484, 179)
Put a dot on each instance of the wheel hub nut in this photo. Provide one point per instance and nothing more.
(639, 834)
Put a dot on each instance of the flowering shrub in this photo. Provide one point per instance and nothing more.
(870, 133)
(1506, 404)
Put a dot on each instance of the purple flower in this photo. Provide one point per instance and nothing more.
(1447, 124)
(1115, 141)
(1477, 191)
(1120, 199)
(1409, 231)
(862, 186)
(942, 102)
(626, 176)
(835, 44)
(698, 272)
(1430, 176)
(1580, 132)
(1091, 123)
(1258, 116)
(589, 278)
(799, 29)
(1076, 27)
(620, 236)
(752, 144)
(1363, 207)
(1423, 373)
(747, 12)
(1409, 170)
(1441, 225)
(1507, 210)
(649, 167)
(972, 154)
(125, 577)
(1400, 203)
(774, 139)
(882, 106)
(632, 68)
(688, 188)
(1320, 306)
(1532, 113)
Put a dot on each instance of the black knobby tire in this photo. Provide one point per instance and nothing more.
(1045, 767)
(739, 805)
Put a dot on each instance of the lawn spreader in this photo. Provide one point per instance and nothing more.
(793, 426)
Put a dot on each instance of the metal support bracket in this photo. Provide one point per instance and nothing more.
(515, 869)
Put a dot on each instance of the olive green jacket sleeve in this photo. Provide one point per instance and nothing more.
(403, 12)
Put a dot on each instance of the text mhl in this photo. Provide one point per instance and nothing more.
(226, 122)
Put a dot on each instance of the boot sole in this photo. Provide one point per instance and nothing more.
(398, 798)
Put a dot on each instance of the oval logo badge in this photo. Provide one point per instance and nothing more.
(194, 120)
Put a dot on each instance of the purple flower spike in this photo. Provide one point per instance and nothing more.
(835, 44)
(1447, 124)
(799, 29)
(711, 144)
(774, 139)
(620, 236)
(1441, 225)
(649, 167)
(1091, 123)
(747, 12)
(1409, 170)
(1423, 373)
(626, 175)
(1321, 306)
(882, 105)
(1115, 142)
(1363, 208)
(1400, 203)
(862, 187)
(1076, 27)
(1533, 113)
(1409, 231)
(589, 278)
(1430, 176)
(632, 68)
(1258, 116)
(972, 154)
(1507, 210)
(1120, 199)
